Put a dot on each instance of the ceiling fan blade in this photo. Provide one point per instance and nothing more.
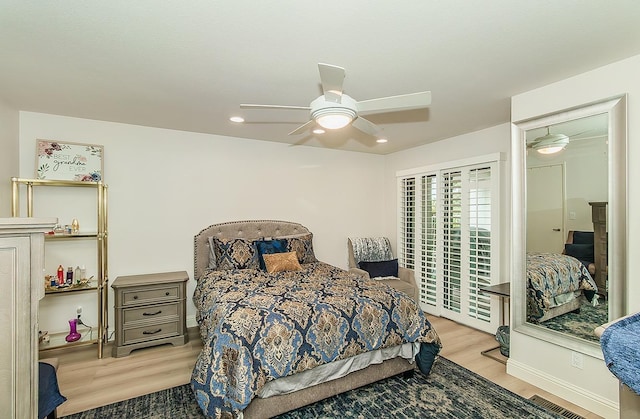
(366, 126)
(256, 106)
(395, 103)
(331, 77)
(303, 128)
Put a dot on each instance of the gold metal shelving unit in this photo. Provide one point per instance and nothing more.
(100, 235)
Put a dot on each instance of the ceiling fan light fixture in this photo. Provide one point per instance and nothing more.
(550, 143)
(549, 150)
(333, 118)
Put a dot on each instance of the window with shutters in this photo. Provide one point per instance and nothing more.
(448, 233)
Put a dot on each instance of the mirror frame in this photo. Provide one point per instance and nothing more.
(617, 213)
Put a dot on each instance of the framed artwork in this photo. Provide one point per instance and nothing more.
(58, 160)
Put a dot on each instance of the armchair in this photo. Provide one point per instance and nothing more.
(378, 249)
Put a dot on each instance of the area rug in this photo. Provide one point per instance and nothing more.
(450, 391)
(581, 324)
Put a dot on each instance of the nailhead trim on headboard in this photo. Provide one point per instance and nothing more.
(250, 229)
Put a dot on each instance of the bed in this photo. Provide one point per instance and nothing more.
(555, 283)
(276, 341)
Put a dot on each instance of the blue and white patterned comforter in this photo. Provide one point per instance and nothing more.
(257, 327)
(550, 275)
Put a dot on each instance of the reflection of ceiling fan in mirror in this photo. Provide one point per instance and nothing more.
(554, 143)
(334, 109)
(549, 143)
(551, 139)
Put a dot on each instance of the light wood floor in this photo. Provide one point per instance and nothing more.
(88, 382)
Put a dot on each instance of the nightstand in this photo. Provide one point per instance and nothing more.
(149, 310)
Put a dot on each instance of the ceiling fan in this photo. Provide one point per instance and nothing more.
(549, 143)
(553, 143)
(334, 109)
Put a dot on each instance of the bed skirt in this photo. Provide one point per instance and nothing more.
(272, 406)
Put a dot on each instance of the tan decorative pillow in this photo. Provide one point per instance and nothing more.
(280, 262)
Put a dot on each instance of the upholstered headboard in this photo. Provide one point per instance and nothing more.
(251, 229)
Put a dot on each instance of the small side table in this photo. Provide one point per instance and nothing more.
(504, 292)
(149, 310)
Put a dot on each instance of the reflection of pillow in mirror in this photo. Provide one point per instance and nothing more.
(580, 251)
(583, 237)
(380, 269)
(281, 262)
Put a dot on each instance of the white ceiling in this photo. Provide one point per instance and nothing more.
(187, 65)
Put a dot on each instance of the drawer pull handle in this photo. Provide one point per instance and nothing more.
(152, 314)
(167, 293)
(151, 332)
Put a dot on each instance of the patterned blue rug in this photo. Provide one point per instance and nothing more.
(583, 323)
(450, 391)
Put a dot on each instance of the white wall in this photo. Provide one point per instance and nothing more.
(8, 155)
(545, 364)
(165, 186)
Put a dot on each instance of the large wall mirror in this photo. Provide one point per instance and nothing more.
(569, 223)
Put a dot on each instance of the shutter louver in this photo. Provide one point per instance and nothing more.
(479, 223)
(406, 254)
(428, 250)
(452, 213)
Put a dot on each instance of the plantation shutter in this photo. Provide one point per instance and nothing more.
(406, 252)
(451, 243)
(428, 253)
(448, 230)
(479, 223)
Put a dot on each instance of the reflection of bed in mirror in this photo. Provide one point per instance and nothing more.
(555, 283)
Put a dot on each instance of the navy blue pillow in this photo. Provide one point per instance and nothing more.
(580, 251)
(377, 269)
(267, 247)
(583, 237)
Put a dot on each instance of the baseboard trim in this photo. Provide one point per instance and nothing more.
(568, 391)
(194, 333)
(191, 321)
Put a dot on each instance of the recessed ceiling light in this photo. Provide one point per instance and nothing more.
(236, 119)
(381, 140)
(318, 131)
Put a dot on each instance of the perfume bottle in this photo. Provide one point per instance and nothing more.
(75, 226)
(77, 275)
(60, 275)
(69, 275)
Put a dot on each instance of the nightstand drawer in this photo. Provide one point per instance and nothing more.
(151, 332)
(147, 296)
(150, 313)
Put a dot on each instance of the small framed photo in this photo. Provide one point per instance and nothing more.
(59, 160)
